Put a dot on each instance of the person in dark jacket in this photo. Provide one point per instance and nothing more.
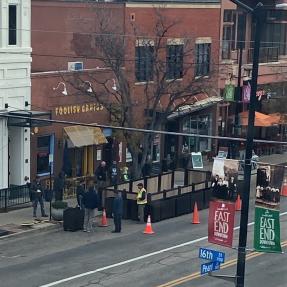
(118, 212)
(101, 178)
(59, 185)
(114, 173)
(37, 195)
(90, 202)
(80, 191)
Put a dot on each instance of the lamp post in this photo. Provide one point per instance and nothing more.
(259, 18)
(257, 13)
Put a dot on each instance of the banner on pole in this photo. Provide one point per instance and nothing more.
(267, 230)
(267, 206)
(221, 223)
(224, 179)
(268, 185)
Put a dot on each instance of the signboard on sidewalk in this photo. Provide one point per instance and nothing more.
(221, 222)
(196, 160)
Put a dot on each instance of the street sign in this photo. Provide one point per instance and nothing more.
(208, 267)
(211, 255)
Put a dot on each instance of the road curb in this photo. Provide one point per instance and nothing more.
(32, 231)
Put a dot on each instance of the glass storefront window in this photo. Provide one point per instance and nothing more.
(45, 146)
(200, 124)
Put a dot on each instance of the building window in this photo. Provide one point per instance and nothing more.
(234, 32)
(156, 149)
(202, 125)
(202, 65)
(174, 62)
(45, 147)
(12, 35)
(144, 62)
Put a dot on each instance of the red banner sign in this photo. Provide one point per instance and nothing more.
(221, 222)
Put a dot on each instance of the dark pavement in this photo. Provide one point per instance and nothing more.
(36, 260)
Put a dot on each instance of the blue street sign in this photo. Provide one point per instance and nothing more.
(211, 255)
(208, 267)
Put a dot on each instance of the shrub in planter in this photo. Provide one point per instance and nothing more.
(58, 208)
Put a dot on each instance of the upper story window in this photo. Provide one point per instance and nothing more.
(234, 31)
(144, 60)
(174, 59)
(202, 60)
(12, 33)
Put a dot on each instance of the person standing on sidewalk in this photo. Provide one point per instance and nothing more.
(90, 202)
(141, 201)
(37, 195)
(117, 212)
(101, 178)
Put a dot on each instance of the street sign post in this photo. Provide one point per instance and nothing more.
(211, 255)
(209, 267)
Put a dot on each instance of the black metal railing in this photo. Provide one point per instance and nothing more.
(267, 55)
(14, 196)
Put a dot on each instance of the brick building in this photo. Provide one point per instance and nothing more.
(66, 48)
(236, 29)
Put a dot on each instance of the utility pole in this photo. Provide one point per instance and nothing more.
(238, 89)
(258, 15)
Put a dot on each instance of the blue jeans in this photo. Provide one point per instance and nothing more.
(35, 204)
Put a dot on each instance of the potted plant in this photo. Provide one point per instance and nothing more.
(58, 208)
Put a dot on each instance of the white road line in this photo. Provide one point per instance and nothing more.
(135, 259)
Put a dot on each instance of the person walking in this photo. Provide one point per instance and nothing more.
(141, 201)
(117, 212)
(37, 195)
(59, 185)
(101, 178)
(90, 202)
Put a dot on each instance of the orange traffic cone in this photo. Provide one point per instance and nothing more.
(284, 188)
(238, 203)
(104, 222)
(148, 228)
(195, 217)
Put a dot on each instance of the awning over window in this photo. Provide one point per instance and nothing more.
(84, 136)
(198, 103)
(261, 120)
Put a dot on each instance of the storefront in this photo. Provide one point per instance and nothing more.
(77, 150)
(199, 118)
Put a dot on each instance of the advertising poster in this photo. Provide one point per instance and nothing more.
(221, 223)
(267, 208)
(224, 179)
(196, 160)
(268, 185)
(267, 230)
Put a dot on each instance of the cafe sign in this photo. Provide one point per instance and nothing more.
(77, 109)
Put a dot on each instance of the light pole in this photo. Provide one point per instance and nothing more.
(258, 15)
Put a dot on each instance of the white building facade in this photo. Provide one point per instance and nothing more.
(15, 89)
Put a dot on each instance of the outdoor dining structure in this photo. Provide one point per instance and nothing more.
(271, 127)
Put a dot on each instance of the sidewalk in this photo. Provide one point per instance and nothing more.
(16, 221)
(21, 220)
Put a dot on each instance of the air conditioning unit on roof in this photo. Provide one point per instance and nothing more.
(75, 66)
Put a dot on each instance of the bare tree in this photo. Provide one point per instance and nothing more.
(166, 81)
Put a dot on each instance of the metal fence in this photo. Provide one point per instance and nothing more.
(13, 196)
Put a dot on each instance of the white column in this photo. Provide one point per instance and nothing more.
(19, 151)
(3, 153)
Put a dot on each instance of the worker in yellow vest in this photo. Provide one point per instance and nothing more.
(141, 201)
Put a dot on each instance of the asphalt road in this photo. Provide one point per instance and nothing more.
(132, 259)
